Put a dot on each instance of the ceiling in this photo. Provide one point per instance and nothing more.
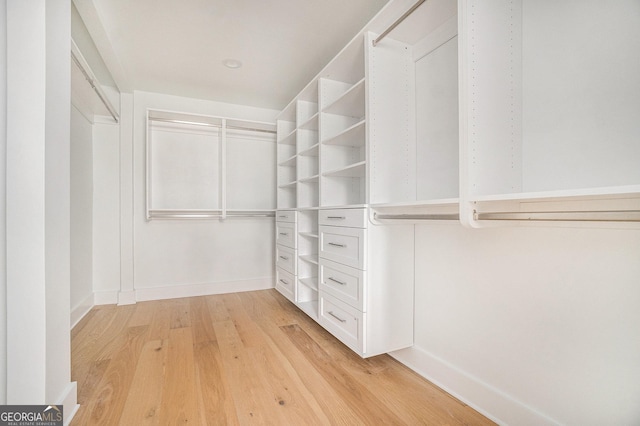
(178, 47)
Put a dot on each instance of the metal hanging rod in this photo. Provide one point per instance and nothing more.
(571, 216)
(208, 215)
(197, 123)
(432, 216)
(397, 22)
(83, 66)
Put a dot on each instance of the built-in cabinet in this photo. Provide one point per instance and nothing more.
(486, 113)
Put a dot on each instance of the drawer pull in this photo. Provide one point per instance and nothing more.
(337, 217)
(336, 281)
(336, 317)
(284, 234)
(283, 216)
(284, 258)
(338, 245)
(284, 282)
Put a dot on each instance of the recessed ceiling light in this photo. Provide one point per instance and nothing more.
(232, 63)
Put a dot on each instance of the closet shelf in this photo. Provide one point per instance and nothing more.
(309, 179)
(289, 162)
(309, 234)
(352, 136)
(311, 123)
(310, 308)
(353, 170)
(311, 282)
(289, 139)
(288, 185)
(311, 258)
(350, 104)
(310, 152)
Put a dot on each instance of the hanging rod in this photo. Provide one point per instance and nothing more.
(82, 64)
(197, 123)
(397, 22)
(208, 215)
(559, 216)
(433, 216)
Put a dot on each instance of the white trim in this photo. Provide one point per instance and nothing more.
(81, 310)
(192, 290)
(105, 297)
(69, 401)
(482, 397)
(127, 298)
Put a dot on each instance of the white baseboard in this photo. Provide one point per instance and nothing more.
(484, 398)
(192, 290)
(126, 298)
(81, 309)
(69, 401)
(105, 297)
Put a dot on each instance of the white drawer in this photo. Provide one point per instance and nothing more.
(286, 234)
(286, 215)
(354, 218)
(343, 321)
(286, 259)
(343, 245)
(343, 282)
(286, 284)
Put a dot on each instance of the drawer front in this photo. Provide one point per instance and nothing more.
(343, 282)
(343, 245)
(286, 284)
(286, 216)
(343, 321)
(286, 259)
(286, 234)
(353, 218)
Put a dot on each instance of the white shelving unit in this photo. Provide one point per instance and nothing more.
(550, 109)
(308, 262)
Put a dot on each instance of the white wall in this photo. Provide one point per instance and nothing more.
(106, 210)
(81, 215)
(170, 258)
(3, 222)
(531, 325)
(38, 204)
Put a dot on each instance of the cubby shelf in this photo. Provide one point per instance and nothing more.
(311, 123)
(351, 103)
(288, 185)
(352, 170)
(310, 152)
(351, 136)
(311, 282)
(308, 234)
(289, 139)
(289, 162)
(309, 179)
(311, 258)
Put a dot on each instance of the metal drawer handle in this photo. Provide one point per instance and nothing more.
(283, 216)
(284, 258)
(337, 281)
(284, 234)
(337, 245)
(336, 317)
(337, 217)
(284, 282)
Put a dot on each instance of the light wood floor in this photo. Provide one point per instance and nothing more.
(243, 358)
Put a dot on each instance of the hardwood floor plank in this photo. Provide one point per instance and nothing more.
(201, 322)
(367, 406)
(179, 395)
(144, 399)
(238, 359)
(110, 395)
(215, 396)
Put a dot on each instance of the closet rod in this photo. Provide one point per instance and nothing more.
(397, 22)
(197, 123)
(571, 216)
(206, 215)
(91, 81)
(442, 216)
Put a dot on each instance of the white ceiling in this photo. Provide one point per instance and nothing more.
(177, 47)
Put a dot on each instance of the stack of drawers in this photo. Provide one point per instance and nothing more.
(343, 276)
(286, 253)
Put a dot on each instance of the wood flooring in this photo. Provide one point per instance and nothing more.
(239, 359)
